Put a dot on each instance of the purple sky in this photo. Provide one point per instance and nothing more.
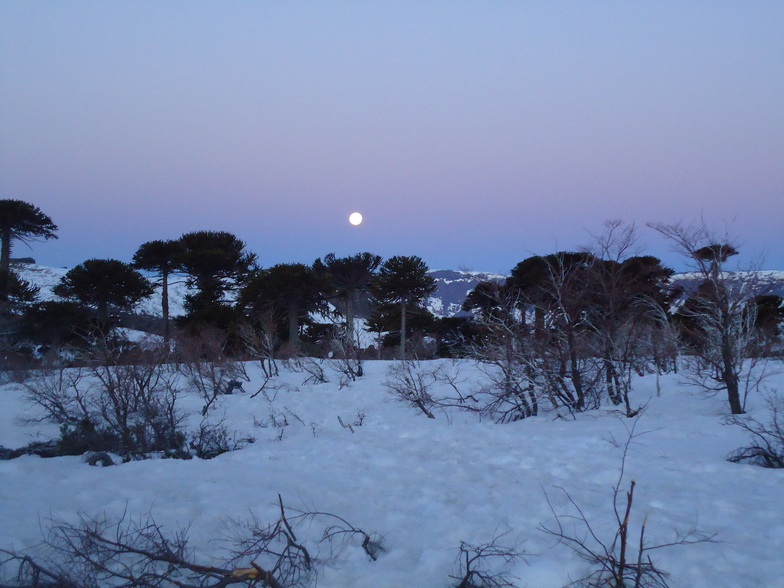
(472, 134)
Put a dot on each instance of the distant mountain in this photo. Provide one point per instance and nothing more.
(758, 283)
(452, 287)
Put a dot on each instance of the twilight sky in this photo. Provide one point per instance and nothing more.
(472, 134)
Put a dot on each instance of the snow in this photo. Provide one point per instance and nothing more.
(425, 485)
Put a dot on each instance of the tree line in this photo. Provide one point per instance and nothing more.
(567, 329)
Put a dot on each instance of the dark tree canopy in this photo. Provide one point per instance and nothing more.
(291, 290)
(403, 281)
(24, 222)
(19, 221)
(216, 262)
(349, 278)
(104, 284)
(163, 258)
(55, 323)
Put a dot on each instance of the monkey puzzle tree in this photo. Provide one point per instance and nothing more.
(104, 284)
(164, 258)
(216, 263)
(402, 280)
(24, 222)
(291, 290)
(349, 277)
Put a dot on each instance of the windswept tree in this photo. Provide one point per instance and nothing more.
(164, 258)
(104, 285)
(216, 263)
(290, 290)
(403, 281)
(19, 221)
(349, 279)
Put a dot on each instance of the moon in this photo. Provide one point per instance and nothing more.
(355, 218)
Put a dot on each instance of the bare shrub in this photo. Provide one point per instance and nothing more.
(310, 366)
(58, 391)
(766, 442)
(96, 552)
(208, 367)
(623, 560)
(126, 408)
(214, 439)
(346, 360)
(260, 342)
(485, 565)
(410, 381)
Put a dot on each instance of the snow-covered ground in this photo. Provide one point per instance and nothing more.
(425, 485)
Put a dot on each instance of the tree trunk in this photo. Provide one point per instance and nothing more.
(293, 314)
(730, 377)
(5, 261)
(403, 330)
(350, 321)
(5, 249)
(165, 309)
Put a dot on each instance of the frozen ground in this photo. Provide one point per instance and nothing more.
(426, 485)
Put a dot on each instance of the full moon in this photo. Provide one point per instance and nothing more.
(355, 218)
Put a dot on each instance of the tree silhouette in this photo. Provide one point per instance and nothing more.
(404, 281)
(291, 290)
(216, 263)
(164, 258)
(104, 284)
(350, 278)
(23, 222)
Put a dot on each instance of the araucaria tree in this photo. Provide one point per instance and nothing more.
(349, 278)
(289, 290)
(404, 281)
(216, 263)
(19, 221)
(164, 258)
(718, 320)
(104, 284)
(24, 222)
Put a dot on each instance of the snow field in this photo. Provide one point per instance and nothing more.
(426, 485)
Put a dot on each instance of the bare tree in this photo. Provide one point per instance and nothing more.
(718, 319)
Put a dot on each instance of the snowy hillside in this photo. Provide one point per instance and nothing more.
(424, 485)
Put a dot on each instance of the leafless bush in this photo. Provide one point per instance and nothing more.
(213, 439)
(622, 560)
(410, 381)
(58, 391)
(766, 443)
(127, 408)
(346, 361)
(292, 560)
(310, 366)
(97, 552)
(260, 342)
(277, 418)
(208, 368)
(484, 565)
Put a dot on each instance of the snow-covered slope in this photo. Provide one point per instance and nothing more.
(425, 485)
